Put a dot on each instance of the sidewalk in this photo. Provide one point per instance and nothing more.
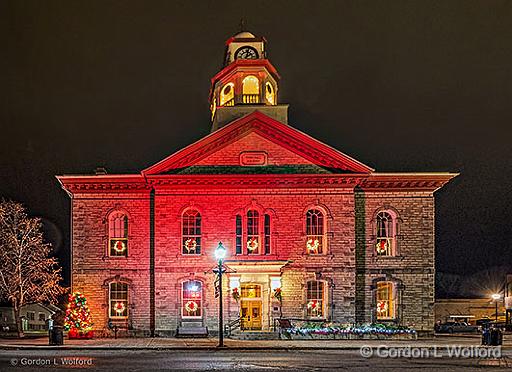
(211, 343)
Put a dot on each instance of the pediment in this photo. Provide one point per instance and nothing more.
(257, 143)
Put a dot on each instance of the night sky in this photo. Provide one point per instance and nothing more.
(399, 85)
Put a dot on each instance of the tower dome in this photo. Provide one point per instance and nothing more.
(244, 35)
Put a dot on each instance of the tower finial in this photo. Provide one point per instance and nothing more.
(242, 24)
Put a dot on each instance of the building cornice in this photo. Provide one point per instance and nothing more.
(381, 182)
(406, 181)
(255, 181)
(103, 183)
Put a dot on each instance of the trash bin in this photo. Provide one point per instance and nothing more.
(496, 337)
(56, 336)
(486, 336)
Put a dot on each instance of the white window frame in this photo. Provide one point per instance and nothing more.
(324, 300)
(110, 300)
(201, 299)
(393, 300)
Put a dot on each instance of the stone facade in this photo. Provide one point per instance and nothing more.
(254, 163)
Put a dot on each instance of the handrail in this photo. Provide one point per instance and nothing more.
(234, 324)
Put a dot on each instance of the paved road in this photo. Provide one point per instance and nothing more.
(223, 360)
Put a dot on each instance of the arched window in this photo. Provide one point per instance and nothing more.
(315, 232)
(118, 234)
(385, 233)
(192, 299)
(315, 300)
(213, 106)
(385, 300)
(251, 90)
(253, 232)
(227, 95)
(269, 93)
(191, 239)
(118, 300)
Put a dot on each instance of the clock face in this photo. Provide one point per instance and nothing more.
(246, 53)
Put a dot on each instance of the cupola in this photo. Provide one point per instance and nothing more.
(247, 82)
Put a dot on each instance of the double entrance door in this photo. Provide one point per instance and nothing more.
(250, 314)
(250, 307)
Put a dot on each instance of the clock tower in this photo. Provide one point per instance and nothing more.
(248, 82)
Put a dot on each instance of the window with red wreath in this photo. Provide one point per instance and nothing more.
(118, 234)
(253, 233)
(191, 237)
(385, 300)
(192, 294)
(385, 234)
(315, 299)
(118, 300)
(315, 232)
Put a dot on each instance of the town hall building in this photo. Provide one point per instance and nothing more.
(310, 232)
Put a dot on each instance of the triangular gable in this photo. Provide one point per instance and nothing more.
(257, 132)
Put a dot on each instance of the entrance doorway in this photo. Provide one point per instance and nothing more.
(250, 307)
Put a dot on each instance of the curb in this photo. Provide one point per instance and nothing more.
(178, 348)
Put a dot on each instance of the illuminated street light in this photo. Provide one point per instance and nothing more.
(220, 254)
(496, 297)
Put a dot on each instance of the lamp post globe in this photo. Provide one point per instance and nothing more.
(220, 252)
(496, 297)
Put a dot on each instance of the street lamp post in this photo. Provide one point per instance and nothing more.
(496, 297)
(220, 254)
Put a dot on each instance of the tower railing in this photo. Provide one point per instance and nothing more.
(250, 98)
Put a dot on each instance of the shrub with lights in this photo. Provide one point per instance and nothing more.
(326, 329)
(78, 319)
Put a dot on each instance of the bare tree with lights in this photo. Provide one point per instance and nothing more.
(27, 273)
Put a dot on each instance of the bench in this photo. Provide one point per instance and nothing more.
(191, 329)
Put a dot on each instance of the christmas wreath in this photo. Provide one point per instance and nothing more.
(235, 294)
(191, 306)
(382, 246)
(119, 307)
(190, 245)
(312, 245)
(312, 305)
(119, 246)
(382, 307)
(252, 244)
(278, 295)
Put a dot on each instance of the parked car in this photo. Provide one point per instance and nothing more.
(483, 321)
(456, 327)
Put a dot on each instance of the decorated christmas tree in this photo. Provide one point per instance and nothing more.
(78, 317)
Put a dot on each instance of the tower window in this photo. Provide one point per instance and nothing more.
(250, 90)
(269, 93)
(227, 95)
(213, 106)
